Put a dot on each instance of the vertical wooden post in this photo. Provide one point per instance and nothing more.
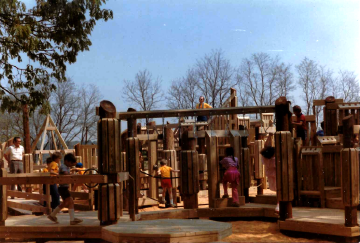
(109, 159)
(152, 160)
(259, 168)
(330, 117)
(48, 199)
(246, 176)
(203, 176)
(169, 153)
(284, 162)
(350, 173)
(189, 171)
(132, 153)
(26, 128)
(3, 199)
(213, 168)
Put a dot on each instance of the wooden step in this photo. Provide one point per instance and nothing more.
(335, 203)
(332, 192)
(264, 199)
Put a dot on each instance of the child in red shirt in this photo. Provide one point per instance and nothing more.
(300, 123)
(165, 172)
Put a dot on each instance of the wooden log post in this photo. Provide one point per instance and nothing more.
(152, 160)
(189, 174)
(203, 174)
(330, 117)
(132, 153)
(246, 176)
(3, 199)
(283, 156)
(213, 169)
(109, 149)
(259, 167)
(28, 168)
(350, 173)
(189, 171)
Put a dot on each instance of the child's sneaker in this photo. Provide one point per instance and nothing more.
(225, 196)
(234, 204)
(52, 218)
(76, 221)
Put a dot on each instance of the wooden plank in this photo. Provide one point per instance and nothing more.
(278, 165)
(104, 143)
(63, 179)
(26, 195)
(195, 112)
(284, 168)
(80, 195)
(32, 208)
(58, 134)
(146, 137)
(117, 128)
(213, 169)
(111, 146)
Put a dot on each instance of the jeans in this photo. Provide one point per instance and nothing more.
(55, 197)
(16, 167)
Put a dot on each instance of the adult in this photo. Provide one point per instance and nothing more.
(202, 105)
(14, 155)
(300, 123)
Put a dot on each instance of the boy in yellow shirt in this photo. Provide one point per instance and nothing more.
(165, 172)
(202, 105)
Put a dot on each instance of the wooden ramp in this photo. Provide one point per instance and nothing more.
(320, 221)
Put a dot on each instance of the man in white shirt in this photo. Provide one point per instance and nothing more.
(14, 155)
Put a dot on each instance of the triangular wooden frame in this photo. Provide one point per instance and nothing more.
(48, 125)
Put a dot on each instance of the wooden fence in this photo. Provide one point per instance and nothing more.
(88, 154)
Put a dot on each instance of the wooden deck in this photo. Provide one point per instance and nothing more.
(321, 221)
(311, 220)
(167, 230)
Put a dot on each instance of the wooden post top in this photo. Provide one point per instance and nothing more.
(107, 109)
(330, 99)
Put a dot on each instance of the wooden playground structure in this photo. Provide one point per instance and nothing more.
(317, 181)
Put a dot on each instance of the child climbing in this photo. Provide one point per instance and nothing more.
(231, 175)
(300, 124)
(268, 159)
(165, 171)
(69, 161)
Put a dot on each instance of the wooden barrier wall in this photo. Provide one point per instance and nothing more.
(88, 154)
(332, 165)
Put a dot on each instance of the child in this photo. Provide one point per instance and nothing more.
(80, 170)
(69, 161)
(53, 168)
(300, 123)
(231, 175)
(165, 171)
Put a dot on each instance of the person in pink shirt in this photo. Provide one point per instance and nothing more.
(231, 175)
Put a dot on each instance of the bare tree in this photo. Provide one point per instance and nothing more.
(285, 84)
(65, 109)
(324, 83)
(243, 97)
(183, 93)
(258, 77)
(215, 77)
(89, 98)
(349, 86)
(144, 91)
(308, 81)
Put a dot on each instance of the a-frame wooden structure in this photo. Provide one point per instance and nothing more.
(48, 126)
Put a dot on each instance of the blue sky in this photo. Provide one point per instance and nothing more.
(166, 37)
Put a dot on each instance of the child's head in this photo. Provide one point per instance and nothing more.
(56, 156)
(69, 160)
(297, 110)
(49, 160)
(268, 152)
(229, 151)
(79, 165)
(163, 162)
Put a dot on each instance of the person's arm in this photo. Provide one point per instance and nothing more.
(52, 172)
(172, 170)
(298, 123)
(7, 153)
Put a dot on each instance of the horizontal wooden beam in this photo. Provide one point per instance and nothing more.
(195, 112)
(29, 207)
(64, 179)
(145, 137)
(26, 195)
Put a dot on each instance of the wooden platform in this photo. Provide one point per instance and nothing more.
(167, 230)
(321, 221)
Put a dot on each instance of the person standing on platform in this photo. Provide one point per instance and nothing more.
(14, 155)
(231, 175)
(300, 124)
(320, 133)
(202, 105)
